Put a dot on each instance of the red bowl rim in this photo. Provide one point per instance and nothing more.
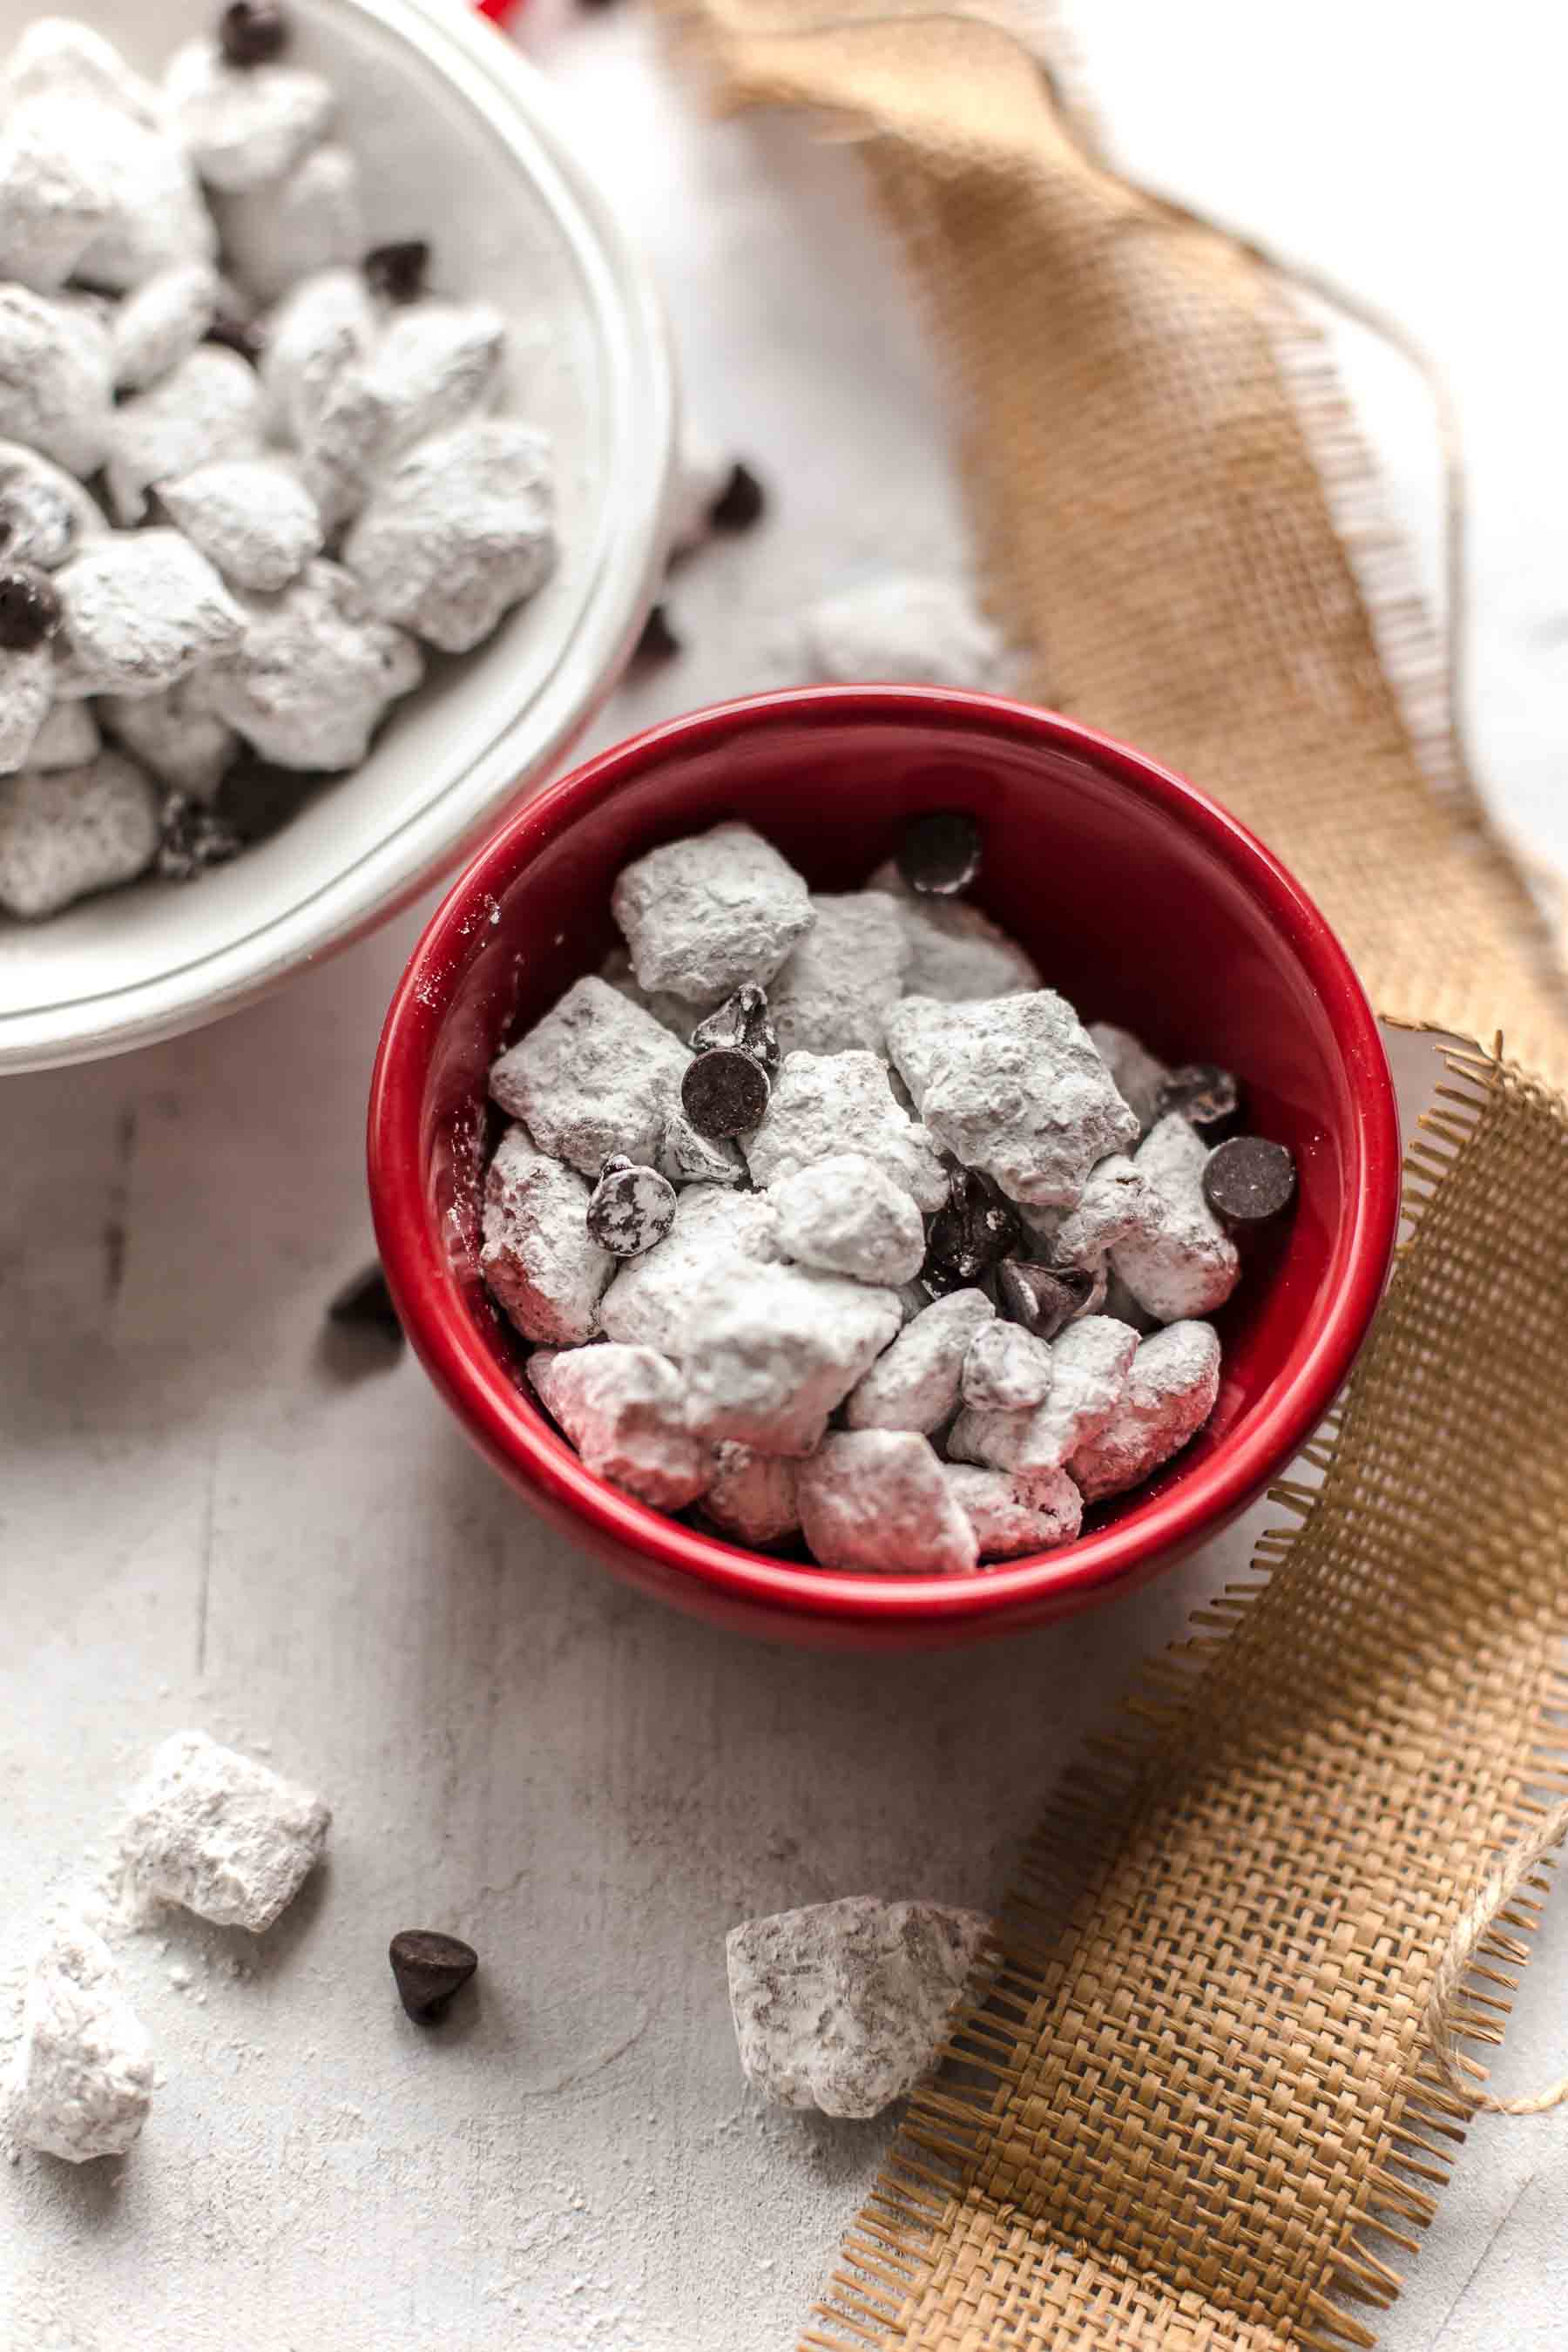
(507, 1426)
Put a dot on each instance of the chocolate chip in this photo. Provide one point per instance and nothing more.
(1249, 1180)
(659, 641)
(194, 839)
(630, 1208)
(741, 502)
(29, 608)
(397, 272)
(1043, 1299)
(1205, 1095)
(724, 1092)
(740, 1021)
(429, 1969)
(258, 799)
(974, 1228)
(252, 32)
(366, 1302)
(237, 333)
(940, 855)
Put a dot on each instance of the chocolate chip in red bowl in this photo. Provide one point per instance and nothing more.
(1205, 1095)
(939, 856)
(1247, 1180)
(973, 1230)
(253, 33)
(630, 1208)
(1043, 1299)
(725, 1092)
(743, 1021)
(399, 271)
(29, 607)
(428, 1967)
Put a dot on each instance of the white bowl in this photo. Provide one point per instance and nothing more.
(458, 139)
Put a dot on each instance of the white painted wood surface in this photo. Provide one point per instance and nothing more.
(210, 1513)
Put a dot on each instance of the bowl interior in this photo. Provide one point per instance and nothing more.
(1139, 912)
(455, 142)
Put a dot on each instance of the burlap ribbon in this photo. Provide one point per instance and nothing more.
(1197, 2109)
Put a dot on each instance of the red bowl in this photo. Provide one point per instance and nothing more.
(1139, 898)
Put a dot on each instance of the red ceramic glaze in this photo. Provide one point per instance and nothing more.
(1139, 898)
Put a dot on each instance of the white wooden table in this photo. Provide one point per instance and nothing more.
(209, 1514)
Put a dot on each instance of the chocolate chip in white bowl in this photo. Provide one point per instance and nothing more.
(29, 607)
(399, 271)
(194, 839)
(252, 32)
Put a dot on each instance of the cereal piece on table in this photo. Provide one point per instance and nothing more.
(322, 326)
(208, 407)
(141, 609)
(596, 1077)
(1183, 1262)
(834, 993)
(1013, 1088)
(724, 1093)
(314, 673)
(252, 517)
(538, 1256)
(456, 531)
(1113, 1207)
(242, 126)
(1091, 1366)
(220, 1836)
(769, 1350)
(52, 201)
(1046, 1298)
(68, 738)
(44, 513)
(1007, 1370)
(825, 1104)
(311, 219)
(909, 628)
(81, 2083)
(847, 1216)
(157, 215)
(1170, 1394)
(1013, 1516)
(631, 1209)
(688, 1158)
(26, 696)
(715, 1230)
(702, 914)
(57, 54)
(624, 1410)
(742, 1022)
(755, 1497)
(956, 953)
(1138, 1075)
(68, 832)
(174, 736)
(843, 2006)
(915, 1385)
(55, 373)
(1249, 1180)
(162, 323)
(876, 1499)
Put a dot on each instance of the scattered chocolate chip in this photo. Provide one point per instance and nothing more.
(252, 32)
(237, 333)
(743, 1022)
(1249, 1180)
(367, 1302)
(1043, 1299)
(398, 272)
(630, 1208)
(29, 608)
(659, 641)
(1205, 1095)
(974, 1229)
(724, 1092)
(194, 839)
(429, 1967)
(258, 799)
(940, 855)
(741, 502)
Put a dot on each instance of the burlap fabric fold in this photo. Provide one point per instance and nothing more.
(1194, 2111)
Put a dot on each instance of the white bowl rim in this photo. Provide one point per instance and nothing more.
(475, 57)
